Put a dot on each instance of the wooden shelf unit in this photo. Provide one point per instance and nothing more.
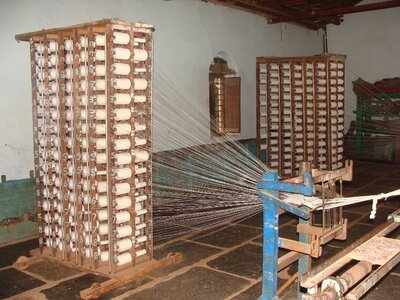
(300, 112)
(92, 121)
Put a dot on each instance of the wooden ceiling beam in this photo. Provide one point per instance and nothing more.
(252, 6)
(321, 22)
(335, 12)
(269, 11)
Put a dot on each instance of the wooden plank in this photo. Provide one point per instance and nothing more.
(148, 134)
(295, 246)
(102, 269)
(288, 259)
(97, 289)
(258, 113)
(28, 35)
(339, 232)
(302, 228)
(287, 284)
(277, 59)
(232, 104)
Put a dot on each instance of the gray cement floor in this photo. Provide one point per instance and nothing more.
(223, 264)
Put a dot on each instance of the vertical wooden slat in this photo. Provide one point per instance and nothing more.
(110, 154)
(65, 159)
(258, 107)
(304, 109)
(62, 142)
(149, 145)
(132, 136)
(212, 95)
(328, 138)
(76, 153)
(315, 125)
(268, 115)
(35, 104)
(231, 105)
(336, 118)
(91, 137)
(280, 121)
(48, 145)
(342, 61)
(292, 119)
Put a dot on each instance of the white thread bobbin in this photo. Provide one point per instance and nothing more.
(123, 173)
(141, 156)
(120, 69)
(122, 202)
(141, 252)
(123, 231)
(124, 244)
(124, 259)
(122, 217)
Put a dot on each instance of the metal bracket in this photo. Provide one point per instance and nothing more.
(265, 196)
(270, 182)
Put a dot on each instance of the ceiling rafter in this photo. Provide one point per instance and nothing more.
(336, 11)
(254, 6)
(313, 14)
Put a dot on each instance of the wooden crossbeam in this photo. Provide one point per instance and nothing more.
(335, 12)
(269, 11)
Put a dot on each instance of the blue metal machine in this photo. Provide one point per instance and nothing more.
(269, 194)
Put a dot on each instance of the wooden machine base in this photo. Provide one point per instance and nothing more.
(126, 275)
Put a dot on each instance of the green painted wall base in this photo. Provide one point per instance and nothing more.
(17, 197)
(18, 232)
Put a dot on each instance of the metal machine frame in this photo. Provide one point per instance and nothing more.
(310, 237)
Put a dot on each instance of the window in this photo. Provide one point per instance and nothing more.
(224, 97)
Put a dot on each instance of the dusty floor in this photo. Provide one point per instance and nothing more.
(225, 264)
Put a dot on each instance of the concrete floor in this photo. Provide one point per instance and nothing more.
(223, 264)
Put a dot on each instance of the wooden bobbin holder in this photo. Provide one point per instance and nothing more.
(300, 112)
(92, 112)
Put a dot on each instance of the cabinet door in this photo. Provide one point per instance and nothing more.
(232, 104)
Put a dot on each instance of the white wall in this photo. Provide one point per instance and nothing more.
(371, 41)
(188, 34)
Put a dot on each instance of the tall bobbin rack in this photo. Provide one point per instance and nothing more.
(92, 121)
(300, 112)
